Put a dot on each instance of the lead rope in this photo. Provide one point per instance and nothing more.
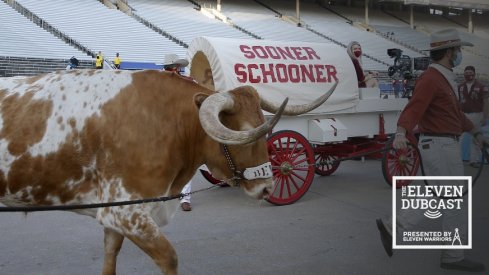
(231, 181)
(485, 156)
(107, 204)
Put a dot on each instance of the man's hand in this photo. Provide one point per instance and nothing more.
(400, 141)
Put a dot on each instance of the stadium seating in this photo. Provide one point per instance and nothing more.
(340, 30)
(182, 20)
(264, 23)
(31, 41)
(101, 29)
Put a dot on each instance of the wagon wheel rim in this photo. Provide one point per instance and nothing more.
(291, 156)
(326, 164)
(403, 162)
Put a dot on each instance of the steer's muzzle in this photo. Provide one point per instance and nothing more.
(259, 188)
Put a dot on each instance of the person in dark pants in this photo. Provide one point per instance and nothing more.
(99, 61)
(474, 100)
(175, 64)
(117, 61)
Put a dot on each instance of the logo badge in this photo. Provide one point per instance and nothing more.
(436, 215)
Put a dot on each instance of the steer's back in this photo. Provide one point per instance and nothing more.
(51, 139)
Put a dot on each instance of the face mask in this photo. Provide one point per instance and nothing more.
(357, 53)
(458, 59)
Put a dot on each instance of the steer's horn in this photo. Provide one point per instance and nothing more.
(209, 119)
(294, 110)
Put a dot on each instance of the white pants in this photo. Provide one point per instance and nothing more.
(442, 158)
(475, 151)
(186, 189)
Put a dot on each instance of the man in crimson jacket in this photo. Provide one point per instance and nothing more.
(434, 107)
(474, 100)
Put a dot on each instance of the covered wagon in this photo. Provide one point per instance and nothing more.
(352, 123)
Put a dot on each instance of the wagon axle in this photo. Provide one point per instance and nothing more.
(286, 167)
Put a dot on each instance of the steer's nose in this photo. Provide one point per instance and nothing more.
(267, 191)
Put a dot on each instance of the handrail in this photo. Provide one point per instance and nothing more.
(335, 12)
(219, 16)
(453, 21)
(395, 16)
(268, 7)
(108, 63)
(159, 30)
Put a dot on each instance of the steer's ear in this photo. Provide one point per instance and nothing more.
(199, 98)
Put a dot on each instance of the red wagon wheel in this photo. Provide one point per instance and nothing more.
(326, 163)
(292, 160)
(400, 162)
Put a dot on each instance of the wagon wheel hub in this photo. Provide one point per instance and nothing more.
(286, 167)
(403, 159)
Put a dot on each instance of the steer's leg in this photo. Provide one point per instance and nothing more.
(137, 224)
(113, 243)
(160, 250)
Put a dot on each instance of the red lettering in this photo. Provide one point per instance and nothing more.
(309, 73)
(247, 51)
(285, 53)
(310, 53)
(268, 73)
(239, 70)
(298, 53)
(331, 70)
(285, 73)
(260, 52)
(272, 52)
(281, 76)
(293, 71)
(319, 73)
(250, 74)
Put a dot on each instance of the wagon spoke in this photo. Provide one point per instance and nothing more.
(276, 153)
(295, 184)
(287, 185)
(298, 176)
(295, 154)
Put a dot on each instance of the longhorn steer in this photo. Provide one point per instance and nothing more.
(77, 137)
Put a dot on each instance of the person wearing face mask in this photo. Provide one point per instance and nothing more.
(434, 107)
(369, 79)
(474, 100)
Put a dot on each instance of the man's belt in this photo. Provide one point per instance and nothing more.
(453, 136)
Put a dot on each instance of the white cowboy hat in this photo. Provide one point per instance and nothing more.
(172, 59)
(445, 39)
